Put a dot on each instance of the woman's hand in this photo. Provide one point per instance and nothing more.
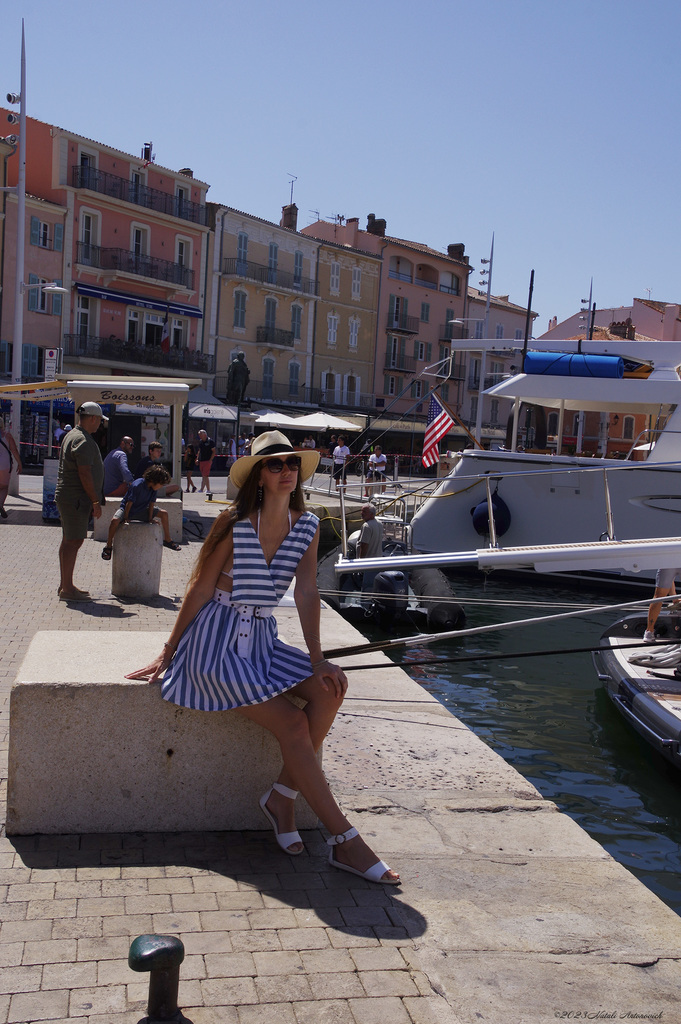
(153, 671)
(331, 677)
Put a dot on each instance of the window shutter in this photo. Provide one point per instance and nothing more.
(429, 352)
(57, 301)
(35, 231)
(416, 349)
(33, 292)
(403, 350)
(386, 384)
(58, 237)
(398, 385)
(405, 304)
(391, 310)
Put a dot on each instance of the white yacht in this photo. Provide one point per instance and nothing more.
(554, 499)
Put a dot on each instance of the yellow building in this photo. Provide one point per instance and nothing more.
(261, 302)
(345, 333)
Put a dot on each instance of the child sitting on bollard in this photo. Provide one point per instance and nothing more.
(138, 505)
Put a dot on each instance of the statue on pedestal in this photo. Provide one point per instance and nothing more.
(238, 377)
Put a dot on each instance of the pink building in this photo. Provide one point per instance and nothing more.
(128, 239)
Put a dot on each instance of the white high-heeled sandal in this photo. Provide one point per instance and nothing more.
(284, 839)
(373, 874)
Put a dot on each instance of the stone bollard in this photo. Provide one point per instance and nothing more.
(136, 565)
(160, 956)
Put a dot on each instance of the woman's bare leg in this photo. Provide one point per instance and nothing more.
(290, 725)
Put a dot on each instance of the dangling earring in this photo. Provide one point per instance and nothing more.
(259, 494)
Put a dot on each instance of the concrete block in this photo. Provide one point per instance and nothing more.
(173, 507)
(90, 751)
(136, 563)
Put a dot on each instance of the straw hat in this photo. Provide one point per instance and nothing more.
(266, 446)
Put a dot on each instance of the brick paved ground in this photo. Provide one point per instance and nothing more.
(267, 938)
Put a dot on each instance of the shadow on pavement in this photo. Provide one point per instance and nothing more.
(341, 901)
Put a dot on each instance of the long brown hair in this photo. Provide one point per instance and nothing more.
(248, 501)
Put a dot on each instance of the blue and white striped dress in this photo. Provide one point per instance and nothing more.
(230, 655)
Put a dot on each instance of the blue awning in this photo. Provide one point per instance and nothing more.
(178, 308)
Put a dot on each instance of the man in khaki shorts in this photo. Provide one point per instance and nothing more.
(78, 494)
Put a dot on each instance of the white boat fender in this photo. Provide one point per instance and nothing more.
(500, 511)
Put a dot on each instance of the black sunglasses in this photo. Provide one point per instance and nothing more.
(293, 463)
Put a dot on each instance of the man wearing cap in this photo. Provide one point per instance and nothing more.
(79, 493)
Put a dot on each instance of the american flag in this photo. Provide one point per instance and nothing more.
(438, 425)
(165, 336)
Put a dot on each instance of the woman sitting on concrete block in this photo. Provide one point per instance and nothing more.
(224, 652)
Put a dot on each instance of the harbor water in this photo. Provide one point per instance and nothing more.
(550, 717)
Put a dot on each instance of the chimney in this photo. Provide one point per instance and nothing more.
(187, 171)
(456, 250)
(376, 227)
(289, 217)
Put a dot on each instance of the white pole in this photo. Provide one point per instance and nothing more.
(17, 339)
(483, 354)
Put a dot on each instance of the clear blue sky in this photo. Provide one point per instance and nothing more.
(553, 123)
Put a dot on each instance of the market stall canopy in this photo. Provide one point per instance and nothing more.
(323, 421)
(204, 406)
(270, 418)
(37, 392)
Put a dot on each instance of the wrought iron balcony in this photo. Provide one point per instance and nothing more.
(114, 349)
(270, 391)
(397, 363)
(141, 195)
(268, 275)
(404, 324)
(453, 332)
(128, 262)
(274, 336)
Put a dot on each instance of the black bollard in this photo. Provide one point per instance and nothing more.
(161, 956)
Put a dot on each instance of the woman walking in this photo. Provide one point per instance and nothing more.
(224, 652)
(190, 466)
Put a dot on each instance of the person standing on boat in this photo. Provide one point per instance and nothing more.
(370, 544)
(665, 586)
(224, 652)
(341, 454)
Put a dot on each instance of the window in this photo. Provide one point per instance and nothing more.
(332, 321)
(444, 391)
(479, 329)
(183, 252)
(334, 283)
(351, 389)
(181, 200)
(177, 333)
(628, 428)
(88, 240)
(153, 330)
(449, 283)
(267, 377)
(417, 389)
(293, 378)
(136, 186)
(425, 312)
(474, 409)
(240, 309)
(133, 332)
(241, 253)
(423, 351)
(40, 233)
(353, 333)
(474, 376)
(499, 333)
(328, 385)
(37, 299)
(140, 241)
(494, 410)
(519, 335)
(272, 263)
(297, 268)
(356, 283)
(296, 320)
(83, 316)
(270, 313)
(552, 423)
(391, 385)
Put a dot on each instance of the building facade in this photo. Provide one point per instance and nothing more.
(134, 242)
(262, 300)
